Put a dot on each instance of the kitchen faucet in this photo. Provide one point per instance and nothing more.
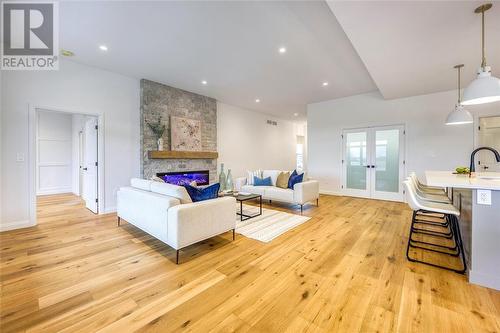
(473, 154)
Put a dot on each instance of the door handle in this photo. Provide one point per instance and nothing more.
(84, 169)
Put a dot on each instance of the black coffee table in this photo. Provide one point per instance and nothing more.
(240, 198)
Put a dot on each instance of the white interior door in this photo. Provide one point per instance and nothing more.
(373, 162)
(90, 191)
(356, 162)
(81, 149)
(489, 136)
(387, 164)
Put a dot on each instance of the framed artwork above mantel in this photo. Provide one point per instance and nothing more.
(185, 134)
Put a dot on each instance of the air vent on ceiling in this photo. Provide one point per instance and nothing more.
(272, 122)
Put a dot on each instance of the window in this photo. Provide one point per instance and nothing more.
(381, 154)
(299, 153)
(300, 157)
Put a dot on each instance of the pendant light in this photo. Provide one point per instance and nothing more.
(459, 116)
(485, 88)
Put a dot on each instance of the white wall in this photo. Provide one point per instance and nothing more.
(430, 144)
(246, 142)
(54, 152)
(80, 89)
(1, 147)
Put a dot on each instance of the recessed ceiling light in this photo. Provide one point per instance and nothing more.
(296, 114)
(282, 50)
(257, 100)
(325, 84)
(103, 47)
(204, 82)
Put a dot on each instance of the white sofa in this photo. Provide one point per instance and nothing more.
(166, 212)
(302, 193)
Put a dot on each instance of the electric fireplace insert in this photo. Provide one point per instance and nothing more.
(185, 177)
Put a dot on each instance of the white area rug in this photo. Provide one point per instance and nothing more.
(267, 226)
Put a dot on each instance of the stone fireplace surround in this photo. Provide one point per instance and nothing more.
(161, 100)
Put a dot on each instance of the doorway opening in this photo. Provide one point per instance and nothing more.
(373, 162)
(488, 135)
(64, 158)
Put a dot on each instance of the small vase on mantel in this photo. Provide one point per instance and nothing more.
(229, 181)
(222, 178)
(159, 142)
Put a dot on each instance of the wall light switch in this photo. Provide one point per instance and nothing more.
(20, 157)
(484, 197)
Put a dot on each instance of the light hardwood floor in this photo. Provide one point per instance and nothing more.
(343, 271)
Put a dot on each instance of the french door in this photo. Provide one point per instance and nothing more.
(373, 162)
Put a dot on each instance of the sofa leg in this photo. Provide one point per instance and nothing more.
(177, 257)
(233, 234)
(270, 201)
(119, 219)
(317, 202)
(301, 209)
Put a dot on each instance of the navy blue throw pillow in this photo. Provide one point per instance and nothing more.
(262, 181)
(294, 173)
(200, 194)
(295, 179)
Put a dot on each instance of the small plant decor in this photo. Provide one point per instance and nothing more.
(158, 129)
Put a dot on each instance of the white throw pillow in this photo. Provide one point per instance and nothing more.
(142, 184)
(171, 190)
(251, 174)
(157, 179)
(271, 173)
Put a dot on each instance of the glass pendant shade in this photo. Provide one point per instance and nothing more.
(484, 89)
(459, 116)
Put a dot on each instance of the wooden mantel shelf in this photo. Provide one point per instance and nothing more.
(171, 154)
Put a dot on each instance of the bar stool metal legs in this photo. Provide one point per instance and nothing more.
(446, 235)
(451, 232)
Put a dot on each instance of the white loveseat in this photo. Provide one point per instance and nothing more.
(166, 212)
(302, 193)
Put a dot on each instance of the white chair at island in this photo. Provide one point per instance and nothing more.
(426, 208)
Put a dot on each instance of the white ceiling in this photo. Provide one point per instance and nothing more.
(410, 47)
(232, 45)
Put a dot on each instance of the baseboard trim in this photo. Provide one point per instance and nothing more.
(484, 280)
(16, 225)
(109, 210)
(331, 193)
(58, 190)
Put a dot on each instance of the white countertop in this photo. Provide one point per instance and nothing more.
(479, 180)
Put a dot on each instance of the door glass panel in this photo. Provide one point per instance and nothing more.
(356, 160)
(387, 160)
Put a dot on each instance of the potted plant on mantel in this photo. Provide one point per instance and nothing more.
(158, 129)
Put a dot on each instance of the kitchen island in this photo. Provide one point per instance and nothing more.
(478, 199)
